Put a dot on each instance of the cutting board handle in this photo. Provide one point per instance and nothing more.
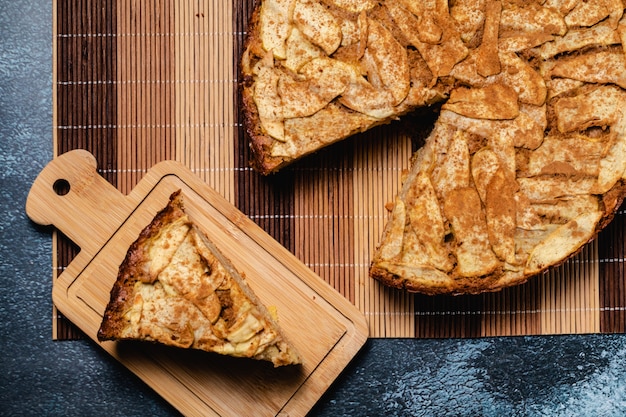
(69, 194)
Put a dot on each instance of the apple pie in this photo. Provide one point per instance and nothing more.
(526, 161)
(176, 288)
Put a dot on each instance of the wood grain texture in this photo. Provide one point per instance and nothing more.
(140, 82)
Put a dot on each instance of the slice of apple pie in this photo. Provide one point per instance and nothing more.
(527, 160)
(176, 288)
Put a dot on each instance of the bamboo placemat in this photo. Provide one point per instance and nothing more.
(137, 82)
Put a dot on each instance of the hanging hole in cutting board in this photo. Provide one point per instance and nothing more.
(61, 187)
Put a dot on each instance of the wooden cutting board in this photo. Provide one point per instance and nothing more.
(326, 328)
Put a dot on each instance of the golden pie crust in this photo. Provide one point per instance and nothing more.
(175, 288)
(527, 159)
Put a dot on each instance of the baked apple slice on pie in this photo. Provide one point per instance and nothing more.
(527, 160)
(176, 288)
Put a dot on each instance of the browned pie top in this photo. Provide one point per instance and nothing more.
(527, 158)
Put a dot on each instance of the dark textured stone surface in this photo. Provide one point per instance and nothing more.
(521, 376)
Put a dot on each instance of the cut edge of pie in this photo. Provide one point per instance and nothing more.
(176, 288)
